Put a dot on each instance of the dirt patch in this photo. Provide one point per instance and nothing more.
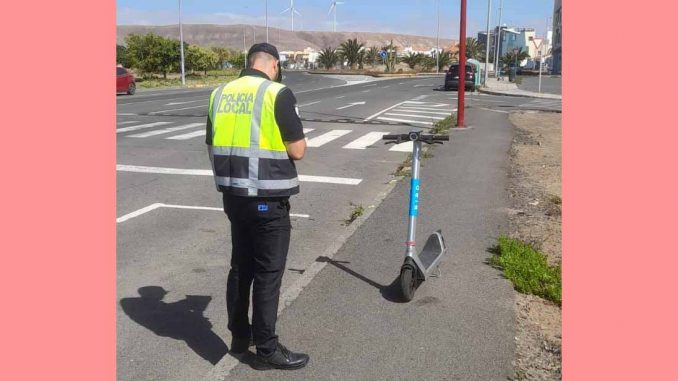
(535, 191)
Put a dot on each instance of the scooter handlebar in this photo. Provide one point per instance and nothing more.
(413, 136)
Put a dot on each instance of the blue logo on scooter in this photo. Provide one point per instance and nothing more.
(414, 197)
(262, 208)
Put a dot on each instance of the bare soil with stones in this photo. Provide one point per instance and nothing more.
(535, 190)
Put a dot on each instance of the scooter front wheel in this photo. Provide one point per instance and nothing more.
(408, 281)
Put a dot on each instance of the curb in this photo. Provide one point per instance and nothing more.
(524, 95)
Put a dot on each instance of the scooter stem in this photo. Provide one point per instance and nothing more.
(414, 199)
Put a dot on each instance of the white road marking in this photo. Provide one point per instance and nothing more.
(208, 172)
(166, 130)
(418, 111)
(351, 105)
(382, 111)
(141, 127)
(152, 207)
(422, 108)
(189, 135)
(326, 138)
(416, 116)
(341, 96)
(373, 84)
(127, 122)
(365, 140)
(176, 109)
(329, 180)
(308, 104)
(184, 103)
(307, 130)
(401, 83)
(386, 87)
(404, 120)
(489, 109)
(402, 147)
(424, 85)
(127, 114)
(365, 91)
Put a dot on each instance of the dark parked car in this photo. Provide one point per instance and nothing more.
(125, 81)
(452, 78)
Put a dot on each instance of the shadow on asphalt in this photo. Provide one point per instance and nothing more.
(390, 292)
(181, 320)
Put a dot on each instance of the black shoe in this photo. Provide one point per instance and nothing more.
(282, 358)
(240, 345)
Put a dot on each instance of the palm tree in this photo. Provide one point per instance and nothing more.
(328, 57)
(372, 56)
(474, 49)
(391, 58)
(446, 58)
(412, 59)
(511, 57)
(350, 51)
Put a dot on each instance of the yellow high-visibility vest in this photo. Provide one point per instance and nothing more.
(249, 155)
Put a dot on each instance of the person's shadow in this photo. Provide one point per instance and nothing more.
(181, 320)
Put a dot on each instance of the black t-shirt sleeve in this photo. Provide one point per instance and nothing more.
(208, 132)
(287, 117)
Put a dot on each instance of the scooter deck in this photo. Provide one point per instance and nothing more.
(431, 254)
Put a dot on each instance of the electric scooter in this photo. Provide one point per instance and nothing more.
(418, 267)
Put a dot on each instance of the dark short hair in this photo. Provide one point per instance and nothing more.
(265, 48)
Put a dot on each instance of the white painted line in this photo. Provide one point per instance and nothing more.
(326, 138)
(382, 111)
(415, 102)
(152, 207)
(404, 121)
(402, 147)
(373, 84)
(416, 116)
(341, 96)
(308, 104)
(401, 83)
(424, 85)
(307, 130)
(189, 135)
(417, 111)
(127, 122)
(329, 180)
(351, 105)
(141, 127)
(163, 170)
(208, 172)
(166, 130)
(365, 140)
(183, 103)
(127, 114)
(422, 108)
(386, 87)
(137, 213)
(176, 109)
(489, 109)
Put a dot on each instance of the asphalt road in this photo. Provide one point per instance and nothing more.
(171, 232)
(549, 84)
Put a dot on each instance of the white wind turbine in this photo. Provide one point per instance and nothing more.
(292, 11)
(333, 7)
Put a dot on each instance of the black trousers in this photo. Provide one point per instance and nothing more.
(260, 231)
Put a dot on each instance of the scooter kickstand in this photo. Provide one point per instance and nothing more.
(436, 274)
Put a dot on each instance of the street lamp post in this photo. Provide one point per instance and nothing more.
(181, 41)
(498, 38)
(462, 65)
(438, 37)
(487, 41)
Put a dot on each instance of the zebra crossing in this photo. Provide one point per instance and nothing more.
(316, 138)
(417, 113)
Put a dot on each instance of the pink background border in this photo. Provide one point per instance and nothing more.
(58, 198)
(58, 192)
(620, 303)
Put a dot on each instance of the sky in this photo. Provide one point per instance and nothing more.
(417, 17)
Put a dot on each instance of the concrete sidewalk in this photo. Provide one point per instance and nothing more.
(504, 87)
(459, 326)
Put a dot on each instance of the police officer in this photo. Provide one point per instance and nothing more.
(254, 134)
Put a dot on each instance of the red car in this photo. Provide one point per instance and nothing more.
(125, 81)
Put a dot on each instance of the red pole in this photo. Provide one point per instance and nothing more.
(462, 65)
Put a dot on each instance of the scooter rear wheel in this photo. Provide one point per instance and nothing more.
(408, 282)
